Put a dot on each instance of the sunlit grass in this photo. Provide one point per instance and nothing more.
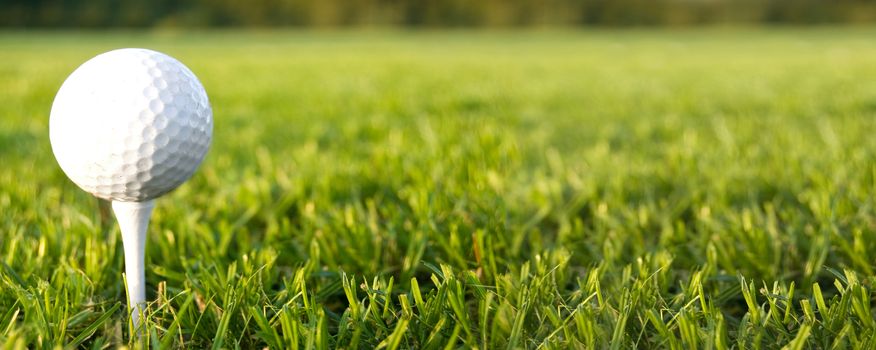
(606, 189)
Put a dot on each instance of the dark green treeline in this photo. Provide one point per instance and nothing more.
(426, 13)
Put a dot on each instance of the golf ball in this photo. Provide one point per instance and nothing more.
(130, 125)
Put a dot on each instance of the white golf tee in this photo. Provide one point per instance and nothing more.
(133, 220)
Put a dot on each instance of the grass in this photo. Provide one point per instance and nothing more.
(442, 190)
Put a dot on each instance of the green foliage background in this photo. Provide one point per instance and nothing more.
(426, 13)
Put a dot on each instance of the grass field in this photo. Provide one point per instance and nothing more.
(442, 190)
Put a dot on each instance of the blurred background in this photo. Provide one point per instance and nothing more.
(428, 13)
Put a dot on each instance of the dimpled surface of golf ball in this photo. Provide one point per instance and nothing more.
(130, 125)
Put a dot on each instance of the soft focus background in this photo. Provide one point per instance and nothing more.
(557, 174)
(427, 13)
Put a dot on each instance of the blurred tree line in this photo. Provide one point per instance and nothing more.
(426, 13)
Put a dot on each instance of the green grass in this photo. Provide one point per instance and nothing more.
(601, 189)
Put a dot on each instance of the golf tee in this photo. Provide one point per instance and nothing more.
(133, 220)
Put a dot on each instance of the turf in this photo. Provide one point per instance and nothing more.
(600, 189)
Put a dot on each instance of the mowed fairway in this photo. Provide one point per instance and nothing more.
(596, 189)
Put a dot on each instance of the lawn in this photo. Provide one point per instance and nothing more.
(546, 189)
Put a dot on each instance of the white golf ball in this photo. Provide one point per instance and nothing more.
(130, 125)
